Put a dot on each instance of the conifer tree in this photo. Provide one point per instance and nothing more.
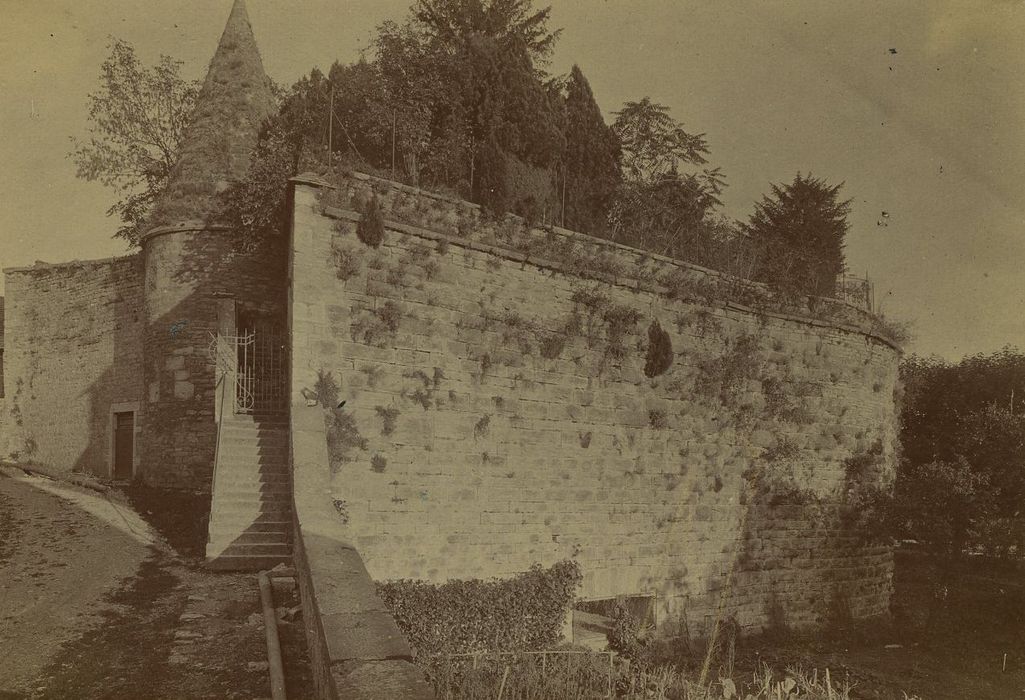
(591, 159)
(801, 230)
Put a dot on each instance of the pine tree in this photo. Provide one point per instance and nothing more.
(591, 159)
(801, 229)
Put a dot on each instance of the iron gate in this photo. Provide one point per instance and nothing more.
(261, 369)
(257, 361)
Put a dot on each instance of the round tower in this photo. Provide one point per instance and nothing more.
(195, 278)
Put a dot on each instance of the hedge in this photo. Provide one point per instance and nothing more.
(525, 612)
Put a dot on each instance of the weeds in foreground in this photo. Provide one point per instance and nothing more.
(575, 675)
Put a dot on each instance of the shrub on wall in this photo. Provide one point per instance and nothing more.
(660, 351)
(370, 229)
(342, 432)
(520, 613)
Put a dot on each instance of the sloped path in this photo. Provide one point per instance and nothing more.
(100, 608)
(56, 564)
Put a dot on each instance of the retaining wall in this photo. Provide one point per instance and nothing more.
(356, 650)
(508, 418)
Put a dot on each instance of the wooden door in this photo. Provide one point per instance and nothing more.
(124, 444)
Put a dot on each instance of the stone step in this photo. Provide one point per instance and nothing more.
(247, 562)
(233, 461)
(255, 431)
(226, 529)
(241, 458)
(222, 533)
(252, 448)
(246, 519)
(235, 504)
(253, 472)
(253, 497)
(251, 484)
(236, 547)
(262, 526)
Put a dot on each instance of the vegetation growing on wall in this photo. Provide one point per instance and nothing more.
(519, 613)
(376, 326)
(343, 434)
(347, 261)
(389, 417)
(660, 355)
(370, 229)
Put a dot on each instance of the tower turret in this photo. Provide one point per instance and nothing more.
(197, 281)
(235, 100)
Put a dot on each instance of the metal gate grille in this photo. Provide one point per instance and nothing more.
(260, 370)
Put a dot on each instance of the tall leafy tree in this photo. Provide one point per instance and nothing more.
(654, 144)
(136, 123)
(667, 198)
(591, 174)
(801, 229)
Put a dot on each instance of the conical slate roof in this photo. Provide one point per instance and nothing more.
(232, 105)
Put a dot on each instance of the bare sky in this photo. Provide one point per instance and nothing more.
(918, 106)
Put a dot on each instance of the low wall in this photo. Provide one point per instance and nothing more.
(505, 413)
(356, 650)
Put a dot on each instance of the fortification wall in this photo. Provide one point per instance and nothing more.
(72, 350)
(503, 415)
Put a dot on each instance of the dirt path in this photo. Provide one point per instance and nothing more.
(57, 562)
(94, 606)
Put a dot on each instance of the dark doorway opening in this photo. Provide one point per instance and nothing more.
(124, 445)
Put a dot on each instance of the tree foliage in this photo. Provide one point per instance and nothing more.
(800, 230)
(591, 168)
(962, 479)
(507, 21)
(455, 97)
(136, 122)
(661, 206)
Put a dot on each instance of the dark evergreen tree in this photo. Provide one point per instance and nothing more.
(801, 229)
(591, 174)
(507, 21)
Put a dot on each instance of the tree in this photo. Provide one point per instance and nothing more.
(507, 21)
(654, 144)
(660, 205)
(591, 169)
(962, 478)
(136, 123)
(801, 230)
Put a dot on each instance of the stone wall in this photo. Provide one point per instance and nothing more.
(72, 350)
(497, 381)
(196, 280)
(356, 649)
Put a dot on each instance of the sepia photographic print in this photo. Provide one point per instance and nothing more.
(512, 350)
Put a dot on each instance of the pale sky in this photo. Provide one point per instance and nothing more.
(917, 106)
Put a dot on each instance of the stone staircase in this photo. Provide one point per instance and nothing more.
(251, 509)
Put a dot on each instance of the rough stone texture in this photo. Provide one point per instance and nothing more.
(356, 650)
(73, 348)
(232, 105)
(501, 457)
(187, 273)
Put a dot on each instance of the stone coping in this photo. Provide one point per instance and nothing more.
(315, 180)
(183, 227)
(356, 648)
(619, 281)
(41, 266)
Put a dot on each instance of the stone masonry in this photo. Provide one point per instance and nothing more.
(490, 448)
(73, 350)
